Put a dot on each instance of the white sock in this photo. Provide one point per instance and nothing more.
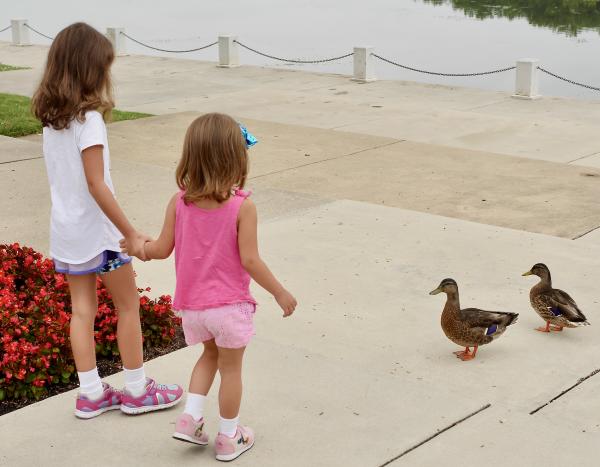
(135, 381)
(228, 427)
(194, 405)
(90, 384)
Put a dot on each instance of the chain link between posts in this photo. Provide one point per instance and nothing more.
(332, 59)
(38, 32)
(482, 73)
(167, 50)
(567, 80)
(291, 60)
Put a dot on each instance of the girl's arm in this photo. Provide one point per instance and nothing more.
(162, 247)
(93, 166)
(251, 261)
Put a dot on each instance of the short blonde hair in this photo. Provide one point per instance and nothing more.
(214, 161)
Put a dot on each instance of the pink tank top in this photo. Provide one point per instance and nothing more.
(207, 257)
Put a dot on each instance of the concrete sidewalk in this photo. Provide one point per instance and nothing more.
(363, 372)
(314, 163)
(555, 129)
(368, 196)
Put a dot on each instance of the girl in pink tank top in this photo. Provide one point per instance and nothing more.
(212, 225)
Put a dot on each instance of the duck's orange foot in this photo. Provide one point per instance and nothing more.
(544, 329)
(556, 328)
(465, 356)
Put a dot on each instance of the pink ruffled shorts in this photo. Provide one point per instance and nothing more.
(231, 326)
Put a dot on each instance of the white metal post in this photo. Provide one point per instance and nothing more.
(20, 32)
(228, 52)
(117, 39)
(527, 79)
(363, 64)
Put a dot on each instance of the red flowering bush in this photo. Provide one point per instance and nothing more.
(158, 322)
(34, 321)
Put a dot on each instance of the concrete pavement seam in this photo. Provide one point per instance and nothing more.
(583, 157)
(22, 160)
(327, 160)
(577, 237)
(340, 127)
(477, 107)
(436, 434)
(562, 393)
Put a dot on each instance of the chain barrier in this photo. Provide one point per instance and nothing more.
(500, 70)
(333, 59)
(38, 32)
(567, 80)
(290, 60)
(167, 50)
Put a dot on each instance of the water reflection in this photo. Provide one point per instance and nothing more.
(565, 16)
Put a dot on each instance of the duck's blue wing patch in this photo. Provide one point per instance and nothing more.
(491, 330)
(555, 310)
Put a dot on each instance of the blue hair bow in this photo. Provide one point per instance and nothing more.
(249, 137)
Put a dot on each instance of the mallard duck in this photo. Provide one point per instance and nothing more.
(470, 327)
(554, 306)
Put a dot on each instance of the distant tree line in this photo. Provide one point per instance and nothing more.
(566, 16)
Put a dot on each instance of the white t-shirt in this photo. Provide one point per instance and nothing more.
(79, 230)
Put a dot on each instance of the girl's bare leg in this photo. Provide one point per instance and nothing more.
(121, 285)
(230, 391)
(205, 369)
(84, 304)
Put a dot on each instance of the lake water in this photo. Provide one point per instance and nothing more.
(435, 35)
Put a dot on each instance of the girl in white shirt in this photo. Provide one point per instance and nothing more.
(72, 102)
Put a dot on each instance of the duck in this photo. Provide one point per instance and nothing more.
(470, 327)
(555, 306)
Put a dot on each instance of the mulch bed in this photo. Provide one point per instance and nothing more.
(106, 367)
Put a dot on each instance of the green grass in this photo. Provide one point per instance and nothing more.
(16, 118)
(121, 115)
(4, 67)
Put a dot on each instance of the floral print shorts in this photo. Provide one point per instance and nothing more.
(106, 261)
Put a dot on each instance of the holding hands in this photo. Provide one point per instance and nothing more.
(133, 245)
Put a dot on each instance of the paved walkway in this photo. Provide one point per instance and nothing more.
(562, 130)
(301, 161)
(362, 372)
(364, 209)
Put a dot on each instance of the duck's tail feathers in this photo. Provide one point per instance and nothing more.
(581, 323)
(511, 318)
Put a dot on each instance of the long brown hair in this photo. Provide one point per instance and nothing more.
(214, 159)
(76, 78)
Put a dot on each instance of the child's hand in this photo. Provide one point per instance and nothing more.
(134, 245)
(287, 302)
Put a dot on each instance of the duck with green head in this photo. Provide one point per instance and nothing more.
(554, 306)
(470, 327)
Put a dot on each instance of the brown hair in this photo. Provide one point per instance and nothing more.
(214, 159)
(76, 78)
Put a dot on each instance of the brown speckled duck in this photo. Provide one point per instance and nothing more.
(554, 306)
(470, 327)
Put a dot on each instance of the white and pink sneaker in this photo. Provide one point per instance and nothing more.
(110, 400)
(228, 449)
(156, 397)
(190, 430)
